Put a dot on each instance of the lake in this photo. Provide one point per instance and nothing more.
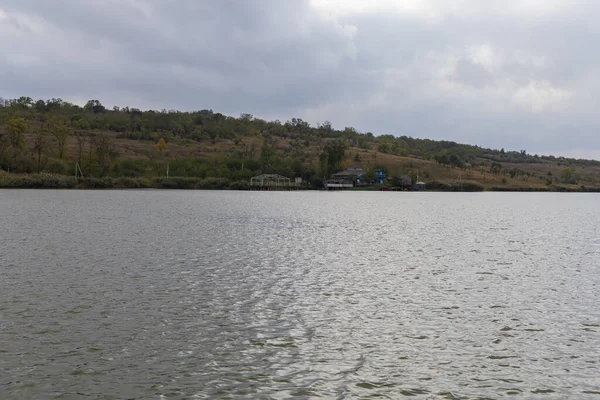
(224, 294)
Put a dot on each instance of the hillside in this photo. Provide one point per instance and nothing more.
(54, 136)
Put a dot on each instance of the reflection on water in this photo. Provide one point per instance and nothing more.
(188, 294)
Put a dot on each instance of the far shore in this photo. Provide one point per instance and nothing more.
(53, 181)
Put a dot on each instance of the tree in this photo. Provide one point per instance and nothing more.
(81, 138)
(326, 126)
(105, 153)
(323, 164)
(384, 147)
(94, 106)
(25, 101)
(161, 145)
(362, 142)
(567, 175)
(3, 146)
(39, 145)
(91, 146)
(16, 128)
(335, 153)
(267, 155)
(369, 176)
(496, 168)
(40, 106)
(61, 134)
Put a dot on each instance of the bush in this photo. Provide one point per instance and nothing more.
(214, 183)
(177, 183)
(454, 187)
(57, 167)
(131, 183)
(95, 183)
(518, 189)
(239, 185)
(37, 181)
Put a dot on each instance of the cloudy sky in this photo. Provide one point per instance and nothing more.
(518, 74)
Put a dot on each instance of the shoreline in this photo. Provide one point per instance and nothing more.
(52, 181)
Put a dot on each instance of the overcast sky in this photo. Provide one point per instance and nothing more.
(518, 74)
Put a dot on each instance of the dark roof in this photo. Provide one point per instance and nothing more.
(346, 173)
(352, 171)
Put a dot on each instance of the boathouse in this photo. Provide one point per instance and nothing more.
(271, 182)
(345, 179)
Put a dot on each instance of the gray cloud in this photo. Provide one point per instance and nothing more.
(513, 74)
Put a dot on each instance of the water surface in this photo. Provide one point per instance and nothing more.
(198, 294)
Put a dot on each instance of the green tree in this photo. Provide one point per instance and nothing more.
(39, 146)
(105, 153)
(4, 144)
(384, 147)
(370, 176)
(94, 106)
(267, 155)
(323, 165)
(16, 128)
(81, 138)
(496, 168)
(363, 142)
(61, 135)
(335, 150)
(567, 175)
(40, 106)
(90, 156)
(25, 101)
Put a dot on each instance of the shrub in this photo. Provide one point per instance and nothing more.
(131, 183)
(37, 181)
(57, 167)
(95, 183)
(454, 187)
(176, 183)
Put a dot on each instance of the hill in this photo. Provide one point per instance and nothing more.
(55, 136)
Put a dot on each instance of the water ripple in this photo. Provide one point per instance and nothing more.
(168, 294)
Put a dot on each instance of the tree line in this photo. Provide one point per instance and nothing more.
(54, 125)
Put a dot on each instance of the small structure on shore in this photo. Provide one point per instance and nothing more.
(350, 173)
(345, 179)
(272, 182)
(379, 176)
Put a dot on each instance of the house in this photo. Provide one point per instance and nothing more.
(350, 173)
(345, 179)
